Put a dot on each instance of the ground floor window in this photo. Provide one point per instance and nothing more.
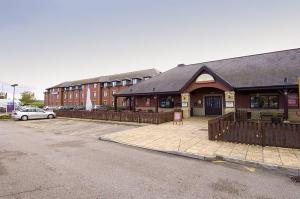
(264, 101)
(166, 102)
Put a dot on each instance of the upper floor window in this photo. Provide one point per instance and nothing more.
(124, 82)
(105, 93)
(105, 84)
(65, 96)
(134, 81)
(70, 96)
(70, 88)
(76, 95)
(76, 87)
(95, 85)
(114, 84)
(265, 101)
(114, 92)
(66, 89)
(146, 78)
(57, 96)
(94, 94)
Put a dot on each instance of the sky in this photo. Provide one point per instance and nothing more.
(46, 42)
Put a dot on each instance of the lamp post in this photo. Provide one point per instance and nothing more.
(14, 86)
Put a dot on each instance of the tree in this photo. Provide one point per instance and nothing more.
(27, 97)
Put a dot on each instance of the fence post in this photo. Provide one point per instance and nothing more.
(262, 132)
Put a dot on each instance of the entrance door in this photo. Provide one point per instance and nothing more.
(213, 105)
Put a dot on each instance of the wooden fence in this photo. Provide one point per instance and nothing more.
(224, 128)
(122, 116)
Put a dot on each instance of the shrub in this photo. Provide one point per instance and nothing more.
(4, 117)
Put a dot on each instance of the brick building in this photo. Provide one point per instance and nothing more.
(101, 89)
(260, 83)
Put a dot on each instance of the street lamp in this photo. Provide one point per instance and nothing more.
(14, 86)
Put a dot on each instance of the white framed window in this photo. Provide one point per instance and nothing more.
(95, 85)
(124, 82)
(66, 89)
(76, 87)
(104, 102)
(146, 78)
(105, 84)
(114, 84)
(76, 95)
(134, 81)
(105, 93)
(82, 95)
(57, 96)
(113, 103)
(82, 86)
(124, 103)
(70, 96)
(70, 88)
(94, 94)
(65, 96)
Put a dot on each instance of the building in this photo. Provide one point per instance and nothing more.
(265, 82)
(101, 89)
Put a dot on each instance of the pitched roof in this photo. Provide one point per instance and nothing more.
(261, 70)
(109, 78)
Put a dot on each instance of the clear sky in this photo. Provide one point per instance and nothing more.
(45, 42)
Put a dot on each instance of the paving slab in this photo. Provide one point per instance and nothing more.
(191, 139)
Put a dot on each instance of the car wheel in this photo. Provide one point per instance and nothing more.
(50, 116)
(24, 117)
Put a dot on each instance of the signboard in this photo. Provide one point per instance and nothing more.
(185, 98)
(229, 104)
(177, 117)
(205, 78)
(293, 100)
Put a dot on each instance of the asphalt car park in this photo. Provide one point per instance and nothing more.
(63, 158)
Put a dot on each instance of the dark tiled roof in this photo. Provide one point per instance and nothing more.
(110, 78)
(262, 70)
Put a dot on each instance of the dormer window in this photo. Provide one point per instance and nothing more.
(114, 84)
(70, 88)
(77, 87)
(146, 78)
(82, 86)
(105, 84)
(124, 82)
(95, 85)
(134, 81)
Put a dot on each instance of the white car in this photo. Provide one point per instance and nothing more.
(32, 113)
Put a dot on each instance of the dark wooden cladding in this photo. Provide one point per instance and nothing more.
(123, 116)
(224, 128)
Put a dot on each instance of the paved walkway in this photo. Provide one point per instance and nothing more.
(191, 139)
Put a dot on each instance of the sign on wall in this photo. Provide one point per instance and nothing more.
(293, 100)
(205, 78)
(185, 98)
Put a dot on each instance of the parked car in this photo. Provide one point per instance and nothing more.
(67, 107)
(79, 107)
(99, 107)
(26, 113)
